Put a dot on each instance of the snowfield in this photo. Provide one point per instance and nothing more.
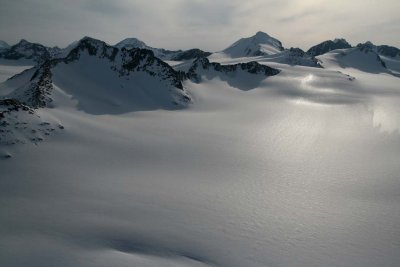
(297, 169)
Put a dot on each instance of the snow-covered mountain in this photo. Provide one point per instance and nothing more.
(100, 79)
(267, 48)
(92, 71)
(326, 46)
(26, 50)
(388, 55)
(257, 45)
(164, 54)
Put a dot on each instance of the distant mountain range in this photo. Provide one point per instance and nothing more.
(259, 45)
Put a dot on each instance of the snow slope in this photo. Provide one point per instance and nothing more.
(300, 169)
(355, 58)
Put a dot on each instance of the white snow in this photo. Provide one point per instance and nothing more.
(300, 169)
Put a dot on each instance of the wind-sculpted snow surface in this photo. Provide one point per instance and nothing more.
(302, 170)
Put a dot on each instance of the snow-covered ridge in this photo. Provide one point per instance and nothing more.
(203, 64)
(383, 50)
(125, 60)
(36, 93)
(164, 54)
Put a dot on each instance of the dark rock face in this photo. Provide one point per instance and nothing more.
(190, 54)
(252, 67)
(297, 56)
(144, 60)
(297, 52)
(327, 46)
(36, 92)
(9, 105)
(134, 43)
(366, 47)
(41, 87)
(388, 51)
(26, 50)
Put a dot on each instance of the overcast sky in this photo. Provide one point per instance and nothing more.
(208, 24)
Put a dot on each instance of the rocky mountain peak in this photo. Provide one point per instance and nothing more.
(367, 47)
(327, 46)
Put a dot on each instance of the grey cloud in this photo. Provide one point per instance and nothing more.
(103, 6)
(207, 24)
(208, 13)
(298, 16)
